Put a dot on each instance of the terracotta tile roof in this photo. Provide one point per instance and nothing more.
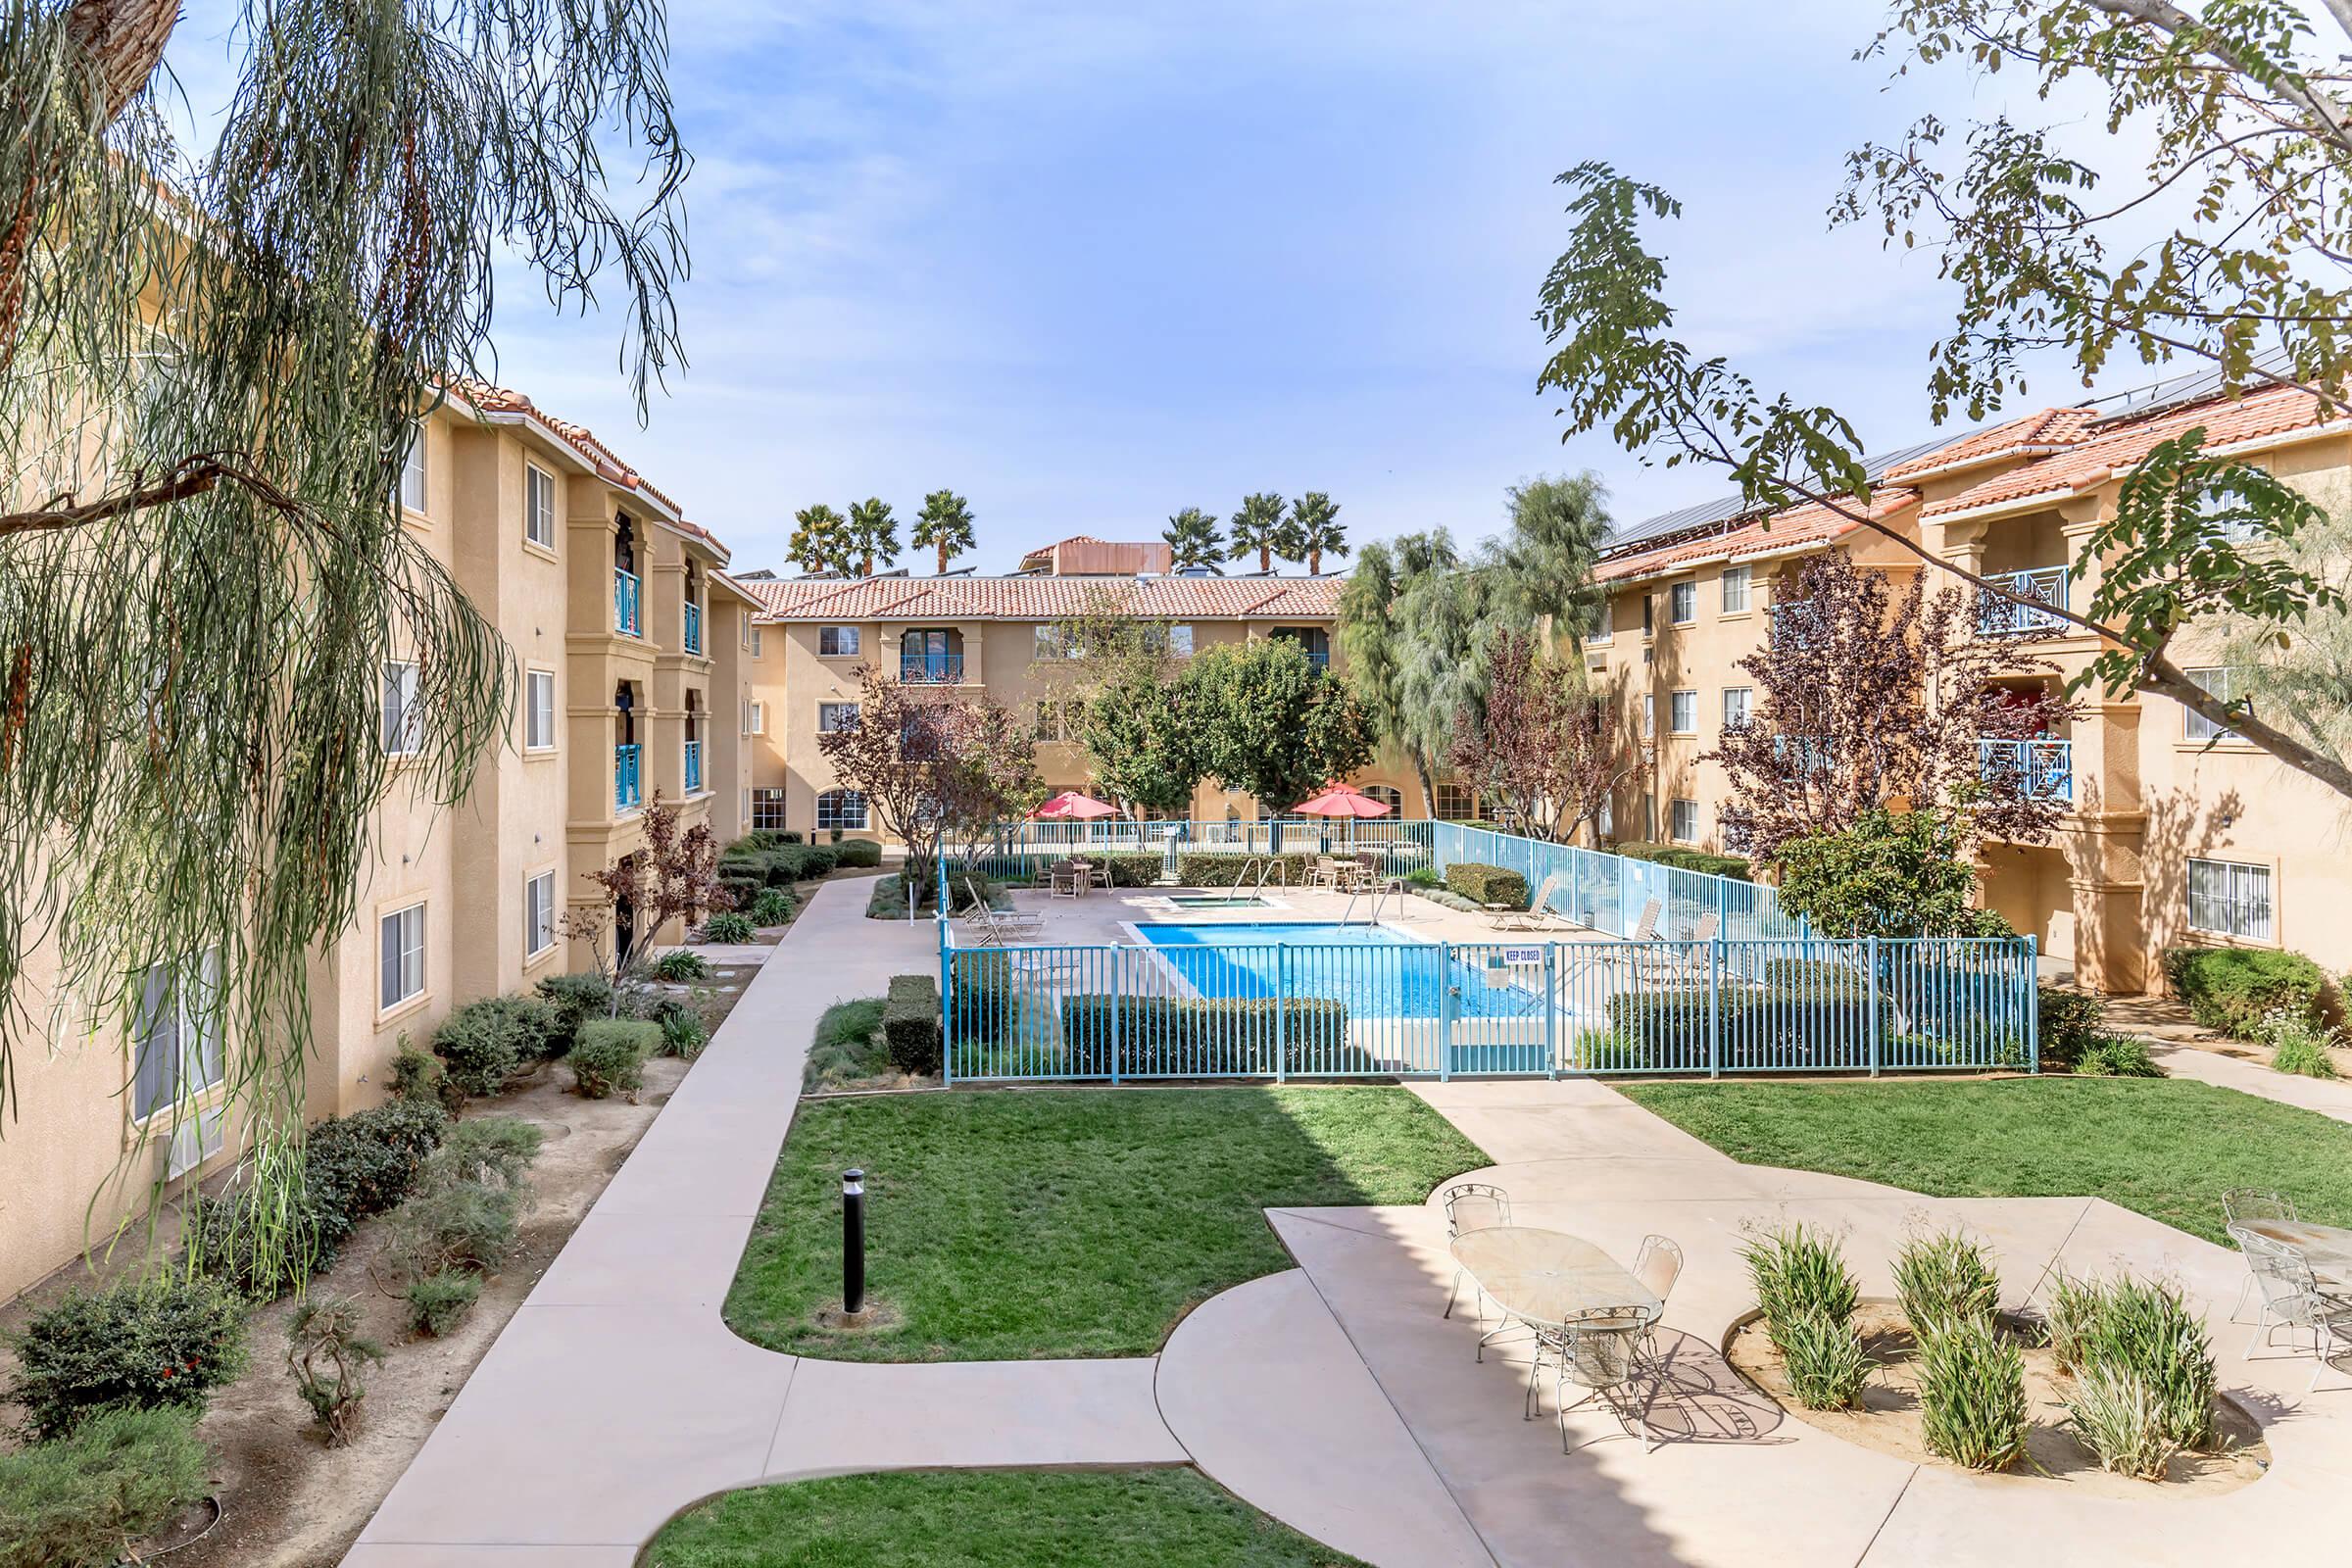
(1043, 553)
(1798, 528)
(1048, 598)
(2111, 447)
(606, 462)
(2036, 434)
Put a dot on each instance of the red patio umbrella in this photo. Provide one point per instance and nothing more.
(1339, 800)
(1071, 806)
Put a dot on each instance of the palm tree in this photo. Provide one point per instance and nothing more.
(946, 525)
(1315, 528)
(873, 534)
(1196, 540)
(821, 542)
(1260, 525)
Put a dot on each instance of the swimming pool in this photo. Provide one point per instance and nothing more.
(1376, 971)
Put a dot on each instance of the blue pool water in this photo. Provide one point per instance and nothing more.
(1379, 973)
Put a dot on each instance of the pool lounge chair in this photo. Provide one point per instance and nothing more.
(1024, 920)
(1539, 915)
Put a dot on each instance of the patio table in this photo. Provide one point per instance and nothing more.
(2327, 1249)
(1551, 1280)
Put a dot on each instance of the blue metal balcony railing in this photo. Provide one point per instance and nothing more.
(625, 607)
(694, 627)
(2043, 770)
(628, 791)
(931, 670)
(694, 767)
(2002, 617)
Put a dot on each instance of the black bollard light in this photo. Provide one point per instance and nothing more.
(853, 1242)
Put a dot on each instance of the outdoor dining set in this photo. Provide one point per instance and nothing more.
(1591, 1319)
(2298, 1273)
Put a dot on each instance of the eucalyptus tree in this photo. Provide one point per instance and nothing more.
(1196, 540)
(212, 364)
(820, 540)
(873, 535)
(2229, 247)
(944, 525)
(1315, 528)
(1264, 525)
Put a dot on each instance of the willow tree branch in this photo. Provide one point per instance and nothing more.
(191, 477)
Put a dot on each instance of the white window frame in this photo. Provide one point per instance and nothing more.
(2218, 679)
(754, 717)
(1650, 716)
(847, 640)
(1681, 712)
(538, 717)
(402, 732)
(403, 930)
(758, 642)
(538, 913)
(2244, 906)
(1604, 613)
(2238, 532)
(194, 1039)
(1180, 640)
(841, 814)
(1741, 711)
(1680, 806)
(538, 505)
(1736, 603)
(415, 477)
(1677, 596)
(827, 714)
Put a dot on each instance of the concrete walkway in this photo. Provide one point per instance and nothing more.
(2330, 1097)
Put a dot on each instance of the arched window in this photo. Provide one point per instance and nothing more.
(842, 808)
(1388, 796)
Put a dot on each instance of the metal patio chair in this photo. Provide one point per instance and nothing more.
(1657, 1264)
(1472, 1207)
(2242, 1203)
(1061, 880)
(2291, 1300)
(1600, 1356)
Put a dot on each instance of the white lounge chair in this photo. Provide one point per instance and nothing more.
(1539, 915)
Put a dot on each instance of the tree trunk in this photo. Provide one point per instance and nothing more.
(1314, 563)
(1265, 557)
(942, 557)
(1429, 788)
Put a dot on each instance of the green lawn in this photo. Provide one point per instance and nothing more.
(987, 1519)
(2168, 1147)
(1064, 1222)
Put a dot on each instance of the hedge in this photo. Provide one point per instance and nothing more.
(2068, 1024)
(484, 1041)
(910, 1025)
(2230, 988)
(1184, 1036)
(1488, 885)
(780, 867)
(611, 1054)
(1684, 857)
(864, 854)
(1199, 870)
(1768, 1027)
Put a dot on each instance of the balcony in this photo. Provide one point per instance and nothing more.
(694, 767)
(931, 670)
(627, 610)
(628, 788)
(2039, 770)
(694, 627)
(2002, 617)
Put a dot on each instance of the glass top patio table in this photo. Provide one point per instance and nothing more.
(2327, 1249)
(1550, 1277)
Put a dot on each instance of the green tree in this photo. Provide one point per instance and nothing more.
(873, 535)
(1263, 524)
(1315, 528)
(944, 525)
(212, 364)
(1196, 540)
(1543, 564)
(820, 541)
(2249, 139)
(1264, 721)
(1138, 732)
(1382, 637)
(2300, 676)
(1891, 874)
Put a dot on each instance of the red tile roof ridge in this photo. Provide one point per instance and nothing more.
(608, 464)
(1799, 527)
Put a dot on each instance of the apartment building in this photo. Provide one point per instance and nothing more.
(2174, 834)
(628, 638)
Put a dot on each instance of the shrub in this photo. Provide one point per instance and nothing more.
(788, 864)
(2071, 1318)
(1684, 857)
(2148, 1330)
(224, 1243)
(1488, 885)
(465, 1224)
(1422, 876)
(418, 1077)
(77, 1502)
(770, 907)
(1596, 1049)
(847, 1046)
(1825, 1361)
(2067, 1024)
(1774, 1025)
(684, 1035)
(363, 1164)
(2117, 1416)
(2117, 1056)
(2296, 1045)
(742, 885)
(910, 1025)
(439, 1300)
(888, 900)
(725, 926)
(1205, 871)
(144, 1344)
(1799, 1271)
(609, 1057)
(864, 854)
(484, 1043)
(1891, 874)
(2230, 989)
(1943, 1277)
(328, 1356)
(495, 1150)
(678, 967)
(576, 999)
(1184, 1036)
(1972, 1395)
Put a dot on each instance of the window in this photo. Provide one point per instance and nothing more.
(1597, 626)
(1685, 821)
(403, 726)
(754, 717)
(1649, 715)
(755, 649)
(2220, 683)
(1054, 721)
(1388, 796)
(539, 914)
(1682, 602)
(837, 641)
(1179, 641)
(1735, 590)
(178, 1035)
(2231, 899)
(1606, 824)
(1683, 712)
(539, 711)
(1455, 804)
(767, 811)
(401, 961)
(842, 808)
(412, 474)
(1737, 702)
(1650, 613)
(538, 505)
(831, 716)
(2230, 518)
(1053, 641)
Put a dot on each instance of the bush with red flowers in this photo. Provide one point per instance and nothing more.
(149, 1343)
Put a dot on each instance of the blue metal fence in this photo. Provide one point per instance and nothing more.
(1276, 1009)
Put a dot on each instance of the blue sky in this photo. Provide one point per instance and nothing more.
(1088, 264)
